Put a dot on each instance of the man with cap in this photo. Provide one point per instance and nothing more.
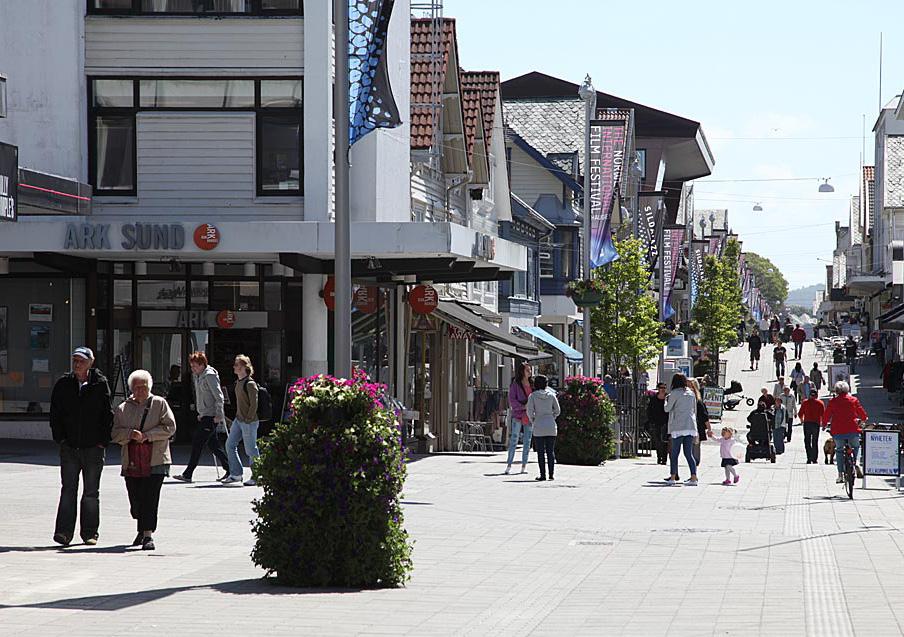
(81, 416)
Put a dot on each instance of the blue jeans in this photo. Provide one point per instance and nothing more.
(515, 426)
(686, 443)
(778, 440)
(247, 432)
(853, 440)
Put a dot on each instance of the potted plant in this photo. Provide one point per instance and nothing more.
(332, 476)
(585, 293)
(585, 434)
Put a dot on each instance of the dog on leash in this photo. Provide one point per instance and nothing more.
(828, 448)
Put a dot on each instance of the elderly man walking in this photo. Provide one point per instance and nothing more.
(81, 417)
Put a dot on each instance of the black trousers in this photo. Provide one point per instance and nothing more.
(788, 429)
(87, 463)
(546, 446)
(798, 349)
(811, 441)
(144, 499)
(779, 368)
(205, 434)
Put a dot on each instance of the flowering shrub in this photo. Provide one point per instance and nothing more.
(580, 287)
(332, 477)
(585, 425)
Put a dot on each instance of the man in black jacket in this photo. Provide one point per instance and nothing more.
(81, 416)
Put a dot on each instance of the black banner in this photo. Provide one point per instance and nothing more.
(649, 220)
(9, 182)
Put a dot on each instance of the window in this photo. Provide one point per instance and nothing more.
(206, 94)
(197, 7)
(546, 265)
(642, 162)
(279, 153)
(567, 253)
(115, 102)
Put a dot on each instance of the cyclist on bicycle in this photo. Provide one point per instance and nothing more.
(844, 413)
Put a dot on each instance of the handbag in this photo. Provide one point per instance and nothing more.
(140, 453)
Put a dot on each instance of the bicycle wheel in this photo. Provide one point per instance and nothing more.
(849, 476)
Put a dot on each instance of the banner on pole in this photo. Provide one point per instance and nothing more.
(607, 155)
(695, 267)
(651, 206)
(370, 99)
(672, 238)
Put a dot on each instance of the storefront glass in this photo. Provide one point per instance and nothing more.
(35, 340)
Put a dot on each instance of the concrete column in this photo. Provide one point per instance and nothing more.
(314, 318)
(318, 113)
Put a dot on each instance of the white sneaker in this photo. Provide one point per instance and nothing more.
(508, 469)
(231, 480)
(690, 482)
(250, 482)
(671, 482)
(840, 480)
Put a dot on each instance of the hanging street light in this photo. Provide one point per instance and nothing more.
(825, 186)
(757, 207)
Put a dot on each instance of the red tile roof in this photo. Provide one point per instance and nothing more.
(470, 105)
(487, 82)
(869, 172)
(422, 85)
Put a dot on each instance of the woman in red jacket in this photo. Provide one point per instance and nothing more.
(844, 414)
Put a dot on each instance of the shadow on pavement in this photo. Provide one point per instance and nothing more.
(121, 601)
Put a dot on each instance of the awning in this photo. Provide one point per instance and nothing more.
(455, 313)
(507, 350)
(864, 284)
(894, 318)
(573, 355)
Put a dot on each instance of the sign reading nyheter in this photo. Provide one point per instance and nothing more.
(9, 182)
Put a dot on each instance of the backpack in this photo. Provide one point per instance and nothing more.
(264, 402)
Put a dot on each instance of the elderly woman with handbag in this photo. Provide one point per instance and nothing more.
(143, 426)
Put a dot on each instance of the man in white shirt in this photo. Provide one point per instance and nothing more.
(789, 402)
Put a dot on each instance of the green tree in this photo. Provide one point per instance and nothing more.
(719, 306)
(769, 279)
(625, 328)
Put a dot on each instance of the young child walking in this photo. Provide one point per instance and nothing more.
(728, 459)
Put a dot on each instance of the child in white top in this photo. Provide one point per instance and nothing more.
(728, 460)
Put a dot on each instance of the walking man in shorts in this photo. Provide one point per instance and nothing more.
(755, 344)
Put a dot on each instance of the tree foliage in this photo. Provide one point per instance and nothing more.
(719, 304)
(625, 326)
(769, 279)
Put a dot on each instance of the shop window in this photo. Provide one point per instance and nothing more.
(35, 341)
(279, 153)
(272, 296)
(122, 293)
(200, 295)
(235, 295)
(161, 295)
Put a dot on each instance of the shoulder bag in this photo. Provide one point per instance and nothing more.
(140, 452)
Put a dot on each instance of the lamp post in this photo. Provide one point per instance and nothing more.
(588, 94)
(342, 315)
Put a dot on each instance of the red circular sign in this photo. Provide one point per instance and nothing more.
(423, 299)
(226, 319)
(207, 237)
(366, 299)
(329, 293)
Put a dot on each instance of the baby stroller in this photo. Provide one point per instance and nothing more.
(759, 441)
(729, 400)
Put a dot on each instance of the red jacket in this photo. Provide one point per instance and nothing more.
(842, 412)
(799, 335)
(811, 410)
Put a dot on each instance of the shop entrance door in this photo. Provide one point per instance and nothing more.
(224, 345)
(163, 354)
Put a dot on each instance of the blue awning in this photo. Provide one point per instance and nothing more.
(573, 355)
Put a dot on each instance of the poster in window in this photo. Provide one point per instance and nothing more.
(4, 339)
(40, 365)
(40, 337)
(40, 312)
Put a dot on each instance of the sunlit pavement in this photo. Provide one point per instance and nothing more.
(600, 551)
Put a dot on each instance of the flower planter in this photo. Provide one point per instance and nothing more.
(587, 299)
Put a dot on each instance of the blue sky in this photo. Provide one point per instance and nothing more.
(803, 69)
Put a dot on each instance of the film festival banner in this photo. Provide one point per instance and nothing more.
(607, 155)
(651, 206)
(698, 249)
(672, 239)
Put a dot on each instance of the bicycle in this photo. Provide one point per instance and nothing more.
(849, 474)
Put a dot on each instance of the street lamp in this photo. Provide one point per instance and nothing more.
(588, 95)
(825, 186)
(757, 207)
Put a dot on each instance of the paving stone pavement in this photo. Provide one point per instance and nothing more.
(601, 551)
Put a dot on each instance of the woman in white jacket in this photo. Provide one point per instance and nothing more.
(681, 405)
(542, 410)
